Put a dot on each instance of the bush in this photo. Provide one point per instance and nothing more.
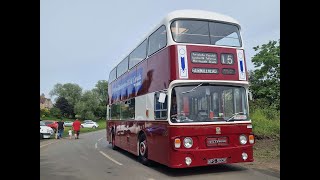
(55, 112)
(263, 125)
(44, 112)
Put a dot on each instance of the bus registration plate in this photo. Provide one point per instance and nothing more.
(217, 160)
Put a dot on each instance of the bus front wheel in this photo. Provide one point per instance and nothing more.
(143, 150)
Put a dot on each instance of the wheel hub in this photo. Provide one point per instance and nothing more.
(142, 148)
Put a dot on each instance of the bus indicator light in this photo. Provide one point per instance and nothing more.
(177, 143)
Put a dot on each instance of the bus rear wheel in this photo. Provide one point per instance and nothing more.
(143, 150)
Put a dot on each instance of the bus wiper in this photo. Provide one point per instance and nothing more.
(233, 116)
(193, 89)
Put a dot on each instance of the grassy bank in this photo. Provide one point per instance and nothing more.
(265, 126)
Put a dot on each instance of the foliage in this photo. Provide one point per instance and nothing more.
(71, 92)
(44, 112)
(101, 89)
(264, 126)
(56, 112)
(265, 80)
(88, 104)
(65, 107)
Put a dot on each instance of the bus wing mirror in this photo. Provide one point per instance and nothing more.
(107, 100)
(250, 96)
(162, 97)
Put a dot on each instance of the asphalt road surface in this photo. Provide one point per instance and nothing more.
(91, 157)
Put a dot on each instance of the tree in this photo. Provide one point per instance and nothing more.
(55, 112)
(71, 92)
(88, 105)
(101, 89)
(44, 112)
(65, 107)
(265, 80)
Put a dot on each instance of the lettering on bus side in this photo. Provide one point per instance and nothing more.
(132, 82)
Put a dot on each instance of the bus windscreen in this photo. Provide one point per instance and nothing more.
(205, 32)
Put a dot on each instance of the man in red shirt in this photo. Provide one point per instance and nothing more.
(76, 128)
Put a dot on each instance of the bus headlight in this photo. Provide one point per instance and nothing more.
(187, 142)
(243, 139)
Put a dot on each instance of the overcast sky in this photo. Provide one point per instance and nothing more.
(82, 40)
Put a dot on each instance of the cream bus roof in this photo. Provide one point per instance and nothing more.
(198, 14)
(187, 14)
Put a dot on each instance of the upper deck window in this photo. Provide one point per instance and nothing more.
(157, 40)
(113, 75)
(205, 32)
(138, 54)
(122, 67)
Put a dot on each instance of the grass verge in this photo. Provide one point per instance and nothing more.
(102, 125)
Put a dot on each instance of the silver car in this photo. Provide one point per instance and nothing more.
(68, 123)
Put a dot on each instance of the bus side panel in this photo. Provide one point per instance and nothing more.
(158, 70)
(173, 63)
(158, 141)
(131, 87)
(145, 84)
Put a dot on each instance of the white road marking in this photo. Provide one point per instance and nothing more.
(110, 158)
(47, 144)
(95, 145)
(100, 139)
(151, 179)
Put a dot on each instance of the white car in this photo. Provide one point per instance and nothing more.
(87, 121)
(89, 124)
(45, 131)
(68, 123)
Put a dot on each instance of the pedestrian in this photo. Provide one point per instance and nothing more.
(60, 128)
(70, 134)
(76, 128)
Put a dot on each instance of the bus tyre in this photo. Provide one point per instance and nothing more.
(143, 150)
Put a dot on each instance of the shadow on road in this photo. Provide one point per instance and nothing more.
(186, 171)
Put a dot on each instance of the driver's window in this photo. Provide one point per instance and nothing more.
(228, 102)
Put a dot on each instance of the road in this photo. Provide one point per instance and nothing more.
(91, 157)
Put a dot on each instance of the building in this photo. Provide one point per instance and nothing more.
(45, 103)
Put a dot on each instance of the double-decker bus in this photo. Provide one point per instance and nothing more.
(180, 98)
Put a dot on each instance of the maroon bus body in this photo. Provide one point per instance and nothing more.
(158, 71)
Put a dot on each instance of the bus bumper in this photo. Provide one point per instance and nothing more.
(208, 157)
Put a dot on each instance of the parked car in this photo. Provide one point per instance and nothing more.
(90, 125)
(68, 123)
(52, 124)
(87, 121)
(45, 131)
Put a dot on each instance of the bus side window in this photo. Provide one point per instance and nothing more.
(160, 109)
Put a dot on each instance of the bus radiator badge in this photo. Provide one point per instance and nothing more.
(218, 130)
